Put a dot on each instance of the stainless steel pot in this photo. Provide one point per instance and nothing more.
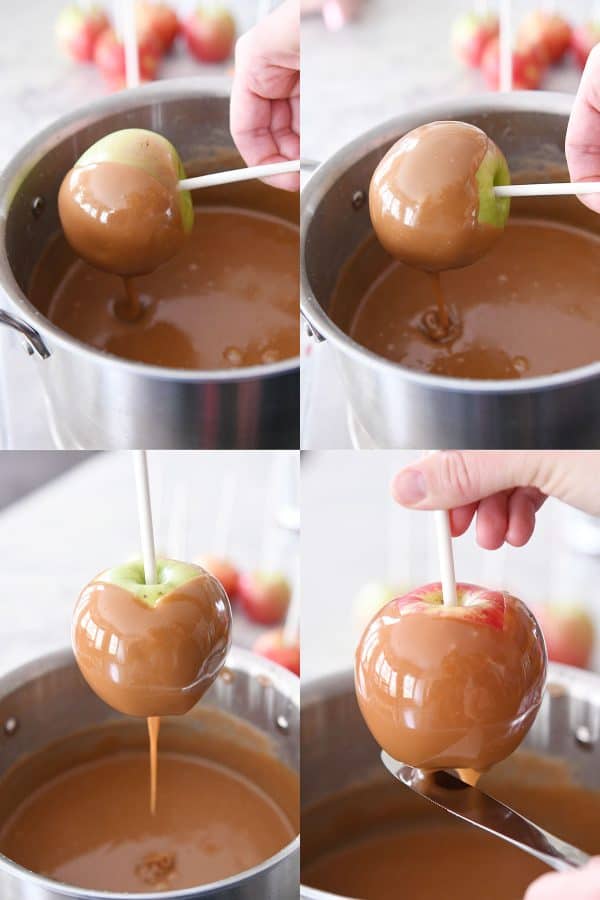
(46, 700)
(396, 406)
(98, 400)
(338, 752)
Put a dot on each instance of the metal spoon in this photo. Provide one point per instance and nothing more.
(472, 805)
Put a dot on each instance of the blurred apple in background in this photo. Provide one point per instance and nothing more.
(158, 20)
(78, 30)
(471, 33)
(545, 34)
(527, 70)
(223, 571)
(210, 33)
(569, 632)
(583, 40)
(273, 646)
(109, 56)
(265, 596)
(371, 597)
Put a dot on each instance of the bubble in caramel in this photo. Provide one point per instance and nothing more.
(120, 206)
(152, 649)
(431, 197)
(451, 686)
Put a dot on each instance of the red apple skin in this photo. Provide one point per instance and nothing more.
(527, 70)
(471, 33)
(569, 633)
(272, 646)
(160, 21)
(210, 34)
(477, 605)
(547, 35)
(224, 572)
(110, 59)
(78, 31)
(583, 40)
(264, 596)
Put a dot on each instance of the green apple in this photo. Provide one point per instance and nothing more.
(493, 172)
(170, 575)
(148, 151)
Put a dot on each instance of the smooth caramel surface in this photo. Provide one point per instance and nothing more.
(530, 307)
(424, 197)
(152, 661)
(451, 687)
(228, 299)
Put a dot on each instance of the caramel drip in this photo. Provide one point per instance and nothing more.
(153, 730)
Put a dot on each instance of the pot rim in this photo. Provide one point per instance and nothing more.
(326, 176)
(342, 679)
(237, 657)
(34, 151)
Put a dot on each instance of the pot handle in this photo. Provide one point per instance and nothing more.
(33, 339)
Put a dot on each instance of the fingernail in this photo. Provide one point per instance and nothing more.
(409, 487)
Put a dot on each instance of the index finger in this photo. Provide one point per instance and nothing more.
(582, 144)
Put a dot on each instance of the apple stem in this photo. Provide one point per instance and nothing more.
(446, 556)
(505, 46)
(243, 174)
(140, 467)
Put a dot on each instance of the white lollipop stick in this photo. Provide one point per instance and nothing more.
(222, 529)
(126, 9)
(441, 518)
(446, 557)
(505, 46)
(557, 189)
(140, 467)
(216, 178)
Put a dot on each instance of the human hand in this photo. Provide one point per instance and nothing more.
(581, 883)
(505, 488)
(336, 13)
(582, 145)
(265, 97)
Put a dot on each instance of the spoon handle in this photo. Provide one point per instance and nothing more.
(472, 805)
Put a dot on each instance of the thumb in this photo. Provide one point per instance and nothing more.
(452, 478)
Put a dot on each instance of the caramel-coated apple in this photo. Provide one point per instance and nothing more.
(152, 649)
(120, 206)
(451, 686)
(432, 200)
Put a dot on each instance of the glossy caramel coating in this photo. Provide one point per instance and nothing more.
(451, 687)
(426, 202)
(120, 218)
(152, 661)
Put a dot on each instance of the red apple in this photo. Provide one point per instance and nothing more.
(546, 34)
(78, 30)
(109, 56)
(158, 20)
(210, 34)
(223, 571)
(583, 40)
(265, 596)
(451, 686)
(471, 33)
(527, 70)
(272, 645)
(569, 633)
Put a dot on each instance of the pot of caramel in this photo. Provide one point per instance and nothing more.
(51, 720)
(108, 399)
(365, 836)
(399, 399)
